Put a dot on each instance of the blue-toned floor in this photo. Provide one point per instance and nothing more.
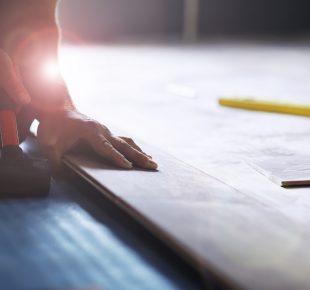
(68, 240)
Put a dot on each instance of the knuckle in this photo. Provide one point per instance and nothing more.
(105, 132)
(107, 144)
(103, 127)
(122, 143)
(125, 138)
(142, 157)
(91, 125)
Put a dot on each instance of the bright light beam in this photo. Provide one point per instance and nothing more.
(51, 70)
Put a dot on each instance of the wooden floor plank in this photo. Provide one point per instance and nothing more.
(210, 223)
(257, 235)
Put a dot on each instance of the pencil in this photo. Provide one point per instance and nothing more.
(266, 106)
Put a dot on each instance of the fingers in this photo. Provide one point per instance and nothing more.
(134, 145)
(15, 89)
(64, 134)
(105, 149)
(132, 154)
(98, 143)
(11, 82)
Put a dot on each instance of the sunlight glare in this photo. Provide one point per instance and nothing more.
(51, 70)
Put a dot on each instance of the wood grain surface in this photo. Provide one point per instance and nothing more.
(285, 171)
(242, 225)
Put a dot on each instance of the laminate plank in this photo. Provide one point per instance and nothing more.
(256, 235)
(214, 226)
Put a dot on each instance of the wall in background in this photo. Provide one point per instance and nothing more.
(113, 19)
(102, 20)
(254, 16)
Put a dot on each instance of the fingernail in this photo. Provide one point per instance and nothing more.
(151, 165)
(127, 164)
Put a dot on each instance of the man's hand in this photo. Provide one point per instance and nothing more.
(10, 81)
(61, 126)
(58, 134)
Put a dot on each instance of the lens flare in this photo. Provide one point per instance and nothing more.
(51, 70)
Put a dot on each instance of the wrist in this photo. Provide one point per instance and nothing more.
(50, 97)
(59, 117)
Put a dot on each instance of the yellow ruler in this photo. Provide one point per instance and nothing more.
(266, 106)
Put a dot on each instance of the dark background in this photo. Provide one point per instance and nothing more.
(255, 16)
(99, 20)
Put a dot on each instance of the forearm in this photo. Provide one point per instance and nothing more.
(28, 30)
(30, 35)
